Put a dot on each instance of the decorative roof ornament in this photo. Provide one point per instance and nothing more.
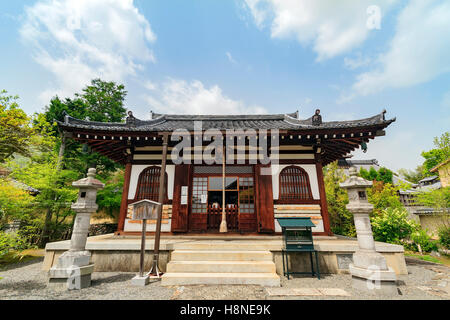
(131, 120)
(317, 118)
(364, 146)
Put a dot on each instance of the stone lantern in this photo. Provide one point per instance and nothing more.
(73, 266)
(369, 269)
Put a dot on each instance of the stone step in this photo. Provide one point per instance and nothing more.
(178, 279)
(217, 255)
(217, 245)
(221, 266)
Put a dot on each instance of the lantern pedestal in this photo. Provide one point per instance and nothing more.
(74, 268)
(369, 269)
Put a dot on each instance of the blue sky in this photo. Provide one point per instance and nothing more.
(243, 56)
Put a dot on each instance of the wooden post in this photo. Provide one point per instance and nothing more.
(141, 264)
(155, 270)
(223, 223)
(323, 198)
(124, 203)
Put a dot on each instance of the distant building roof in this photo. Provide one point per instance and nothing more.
(24, 186)
(427, 179)
(350, 163)
(436, 168)
(5, 173)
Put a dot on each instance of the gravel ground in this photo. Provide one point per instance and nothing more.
(425, 281)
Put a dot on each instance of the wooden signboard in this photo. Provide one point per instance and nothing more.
(146, 210)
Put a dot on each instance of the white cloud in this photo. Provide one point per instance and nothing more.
(230, 58)
(149, 85)
(182, 97)
(418, 52)
(391, 152)
(334, 27)
(78, 40)
(357, 62)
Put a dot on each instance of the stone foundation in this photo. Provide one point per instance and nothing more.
(112, 253)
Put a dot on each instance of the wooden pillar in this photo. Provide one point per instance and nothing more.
(155, 269)
(264, 197)
(323, 198)
(124, 203)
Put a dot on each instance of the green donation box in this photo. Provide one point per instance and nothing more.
(297, 237)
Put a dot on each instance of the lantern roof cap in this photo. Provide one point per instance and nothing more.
(354, 181)
(89, 181)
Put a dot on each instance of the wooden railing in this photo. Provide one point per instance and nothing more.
(215, 217)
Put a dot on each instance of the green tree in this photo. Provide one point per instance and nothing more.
(110, 197)
(383, 174)
(341, 220)
(393, 225)
(438, 199)
(413, 176)
(104, 101)
(14, 202)
(435, 156)
(100, 101)
(41, 172)
(383, 196)
(15, 131)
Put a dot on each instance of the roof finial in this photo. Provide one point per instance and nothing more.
(131, 120)
(317, 118)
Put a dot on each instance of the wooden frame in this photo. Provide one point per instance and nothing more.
(193, 226)
(154, 186)
(303, 185)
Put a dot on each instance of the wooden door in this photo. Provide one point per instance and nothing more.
(180, 211)
(264, 199)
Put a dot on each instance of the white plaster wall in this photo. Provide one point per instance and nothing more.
(136, 170)
(312, 174)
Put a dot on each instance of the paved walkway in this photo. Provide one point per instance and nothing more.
(425, 281)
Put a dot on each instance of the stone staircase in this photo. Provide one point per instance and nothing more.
(215, 264)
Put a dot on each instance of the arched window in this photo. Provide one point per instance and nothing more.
(294, 185)
(148, 184)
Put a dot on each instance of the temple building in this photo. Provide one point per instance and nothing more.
(273, 166)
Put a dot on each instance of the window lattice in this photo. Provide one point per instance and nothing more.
(148, 184)
(294, 185)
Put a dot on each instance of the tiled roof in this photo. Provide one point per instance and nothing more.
(169, 122)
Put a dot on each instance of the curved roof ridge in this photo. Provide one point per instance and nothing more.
(308, 122)
(72, 120)
(221, 116)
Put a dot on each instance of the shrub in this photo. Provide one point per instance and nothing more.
(393, 225)
(382, 196)
(11, 242)
(444, 237)
(420, 237)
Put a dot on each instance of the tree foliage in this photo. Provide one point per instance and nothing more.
(341, 220)
(382, 196)
(439, 199)
(383, 174)
(435, 156)
(100, 101)
(14, 202)
(110, 197)
(393, 225)
(54, 162)
(413, 176)
(15, 130)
